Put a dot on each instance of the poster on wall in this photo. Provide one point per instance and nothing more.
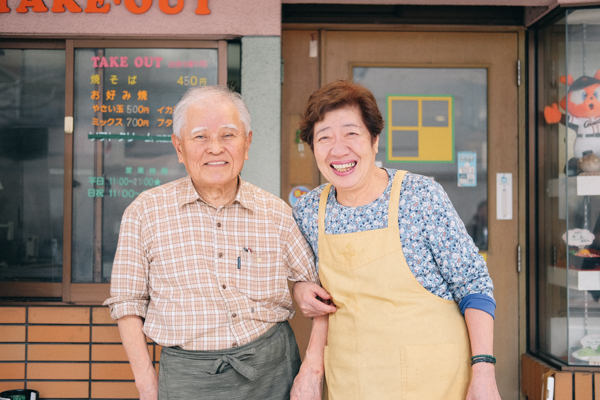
(467, 168)
(296, 193)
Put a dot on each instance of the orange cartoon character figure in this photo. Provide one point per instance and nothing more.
(582, 104)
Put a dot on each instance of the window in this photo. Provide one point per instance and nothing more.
(32, 108)
(114, 143)
(567, 308)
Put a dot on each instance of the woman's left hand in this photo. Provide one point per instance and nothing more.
(483, 383)
(312, 299)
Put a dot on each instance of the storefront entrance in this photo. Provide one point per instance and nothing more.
(450, 100)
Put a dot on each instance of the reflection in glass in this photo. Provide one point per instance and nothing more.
(433, 114)
(124, 100)
(32, 98)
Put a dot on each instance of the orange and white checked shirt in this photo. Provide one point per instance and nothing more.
(207, 278)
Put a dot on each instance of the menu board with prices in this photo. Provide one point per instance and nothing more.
(123, 122)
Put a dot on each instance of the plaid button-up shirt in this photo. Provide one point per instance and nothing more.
(207, 278)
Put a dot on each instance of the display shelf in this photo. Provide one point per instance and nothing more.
(588, 185)
(578, 279)
(582, 185)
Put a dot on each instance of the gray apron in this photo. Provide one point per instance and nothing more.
(262, 369)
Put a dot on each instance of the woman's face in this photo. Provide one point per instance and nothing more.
(344, 151)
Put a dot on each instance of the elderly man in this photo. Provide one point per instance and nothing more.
(202, 267)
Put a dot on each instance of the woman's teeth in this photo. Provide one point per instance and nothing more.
(216, 163)
(343, 167)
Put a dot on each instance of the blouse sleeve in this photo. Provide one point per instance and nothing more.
(456, 256)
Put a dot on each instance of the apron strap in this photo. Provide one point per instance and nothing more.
(322, 206)
(395, 199)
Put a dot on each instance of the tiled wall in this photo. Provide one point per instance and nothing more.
(65, 352)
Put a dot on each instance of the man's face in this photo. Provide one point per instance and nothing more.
(213, 144)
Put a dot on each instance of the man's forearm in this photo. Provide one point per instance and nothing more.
(134, 341)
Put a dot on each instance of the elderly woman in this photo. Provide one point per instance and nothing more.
(397, 262)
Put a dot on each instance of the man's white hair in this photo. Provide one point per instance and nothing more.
(198, 94)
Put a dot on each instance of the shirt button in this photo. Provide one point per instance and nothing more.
(234, 315)
(220, 255)
(234, 344)
(218, 224)
(224, 287)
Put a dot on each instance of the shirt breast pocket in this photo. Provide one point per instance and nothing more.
(261, 272)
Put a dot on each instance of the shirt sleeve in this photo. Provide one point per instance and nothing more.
(480, 302)
(453, 250)
(129, 278)
(299, 255)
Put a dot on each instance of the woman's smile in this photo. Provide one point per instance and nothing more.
(343, 168)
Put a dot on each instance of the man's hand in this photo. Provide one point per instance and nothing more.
(136, 347)
(309, 297)
(483, 383)
(308, 382)
(147, 385)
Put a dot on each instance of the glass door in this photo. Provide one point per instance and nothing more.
(436, 126)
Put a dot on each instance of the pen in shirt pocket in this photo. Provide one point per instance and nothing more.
(248, 252)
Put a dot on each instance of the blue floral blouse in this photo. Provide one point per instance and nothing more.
(438, 250)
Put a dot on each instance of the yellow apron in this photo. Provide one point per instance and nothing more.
(390, 337)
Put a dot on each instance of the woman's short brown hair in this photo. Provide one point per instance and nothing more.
(336, 95)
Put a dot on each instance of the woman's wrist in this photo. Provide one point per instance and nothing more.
(483, 369)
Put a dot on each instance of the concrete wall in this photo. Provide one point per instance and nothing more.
(261, 89)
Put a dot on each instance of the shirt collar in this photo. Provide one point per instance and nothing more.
(188, 194)
(245, 196)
